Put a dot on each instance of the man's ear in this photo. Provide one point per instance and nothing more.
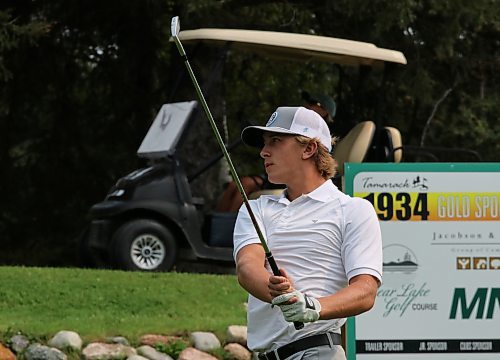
(310, 150)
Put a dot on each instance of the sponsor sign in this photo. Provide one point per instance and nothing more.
(441, 240)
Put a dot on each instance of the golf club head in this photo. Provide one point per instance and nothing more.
(175, 26)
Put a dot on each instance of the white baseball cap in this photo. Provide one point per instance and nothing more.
(293, 121)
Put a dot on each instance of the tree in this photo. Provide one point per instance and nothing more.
(81, 82)
(78, 102)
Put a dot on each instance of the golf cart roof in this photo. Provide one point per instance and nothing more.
(297, 46)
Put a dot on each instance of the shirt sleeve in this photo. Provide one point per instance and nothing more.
(244, 231)
(362, 245)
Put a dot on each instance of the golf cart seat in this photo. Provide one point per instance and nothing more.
(354, 146)
(393, 144)
(257, 194)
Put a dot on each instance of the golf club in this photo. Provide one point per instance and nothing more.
(175, 28)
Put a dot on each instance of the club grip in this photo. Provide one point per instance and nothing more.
(276, 272)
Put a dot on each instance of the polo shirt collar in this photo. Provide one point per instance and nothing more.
(322, 193)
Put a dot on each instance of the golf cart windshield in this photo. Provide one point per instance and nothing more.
(301, 47)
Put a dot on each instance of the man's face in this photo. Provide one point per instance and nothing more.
(282, 156)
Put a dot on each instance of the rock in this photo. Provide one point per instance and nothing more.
(19, 343)
(66, 339)
(102, 351)
(137, 357)
(238, 352)
(237, 334)
(194, 354)
(6, 354)
(152, 354)
(152, 339)
(42, 352)
(118, 340)
(205, 341)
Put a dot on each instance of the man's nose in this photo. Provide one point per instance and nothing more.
(264, 152)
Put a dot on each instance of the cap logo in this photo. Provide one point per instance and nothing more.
(272, 119)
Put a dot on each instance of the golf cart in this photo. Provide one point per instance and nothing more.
(149, 219)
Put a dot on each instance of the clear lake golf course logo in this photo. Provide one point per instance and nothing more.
(399, 258)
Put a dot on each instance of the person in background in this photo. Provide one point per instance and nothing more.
(323, 104)
(231, 199)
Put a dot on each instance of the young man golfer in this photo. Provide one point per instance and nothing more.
(327, 244)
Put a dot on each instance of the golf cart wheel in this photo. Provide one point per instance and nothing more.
(144, 245)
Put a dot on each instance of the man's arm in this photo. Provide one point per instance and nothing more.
(353, 300)
(252, 273)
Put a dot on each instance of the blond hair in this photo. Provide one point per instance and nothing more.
(324, 161)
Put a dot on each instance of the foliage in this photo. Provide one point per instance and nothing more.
(81, 82)
(222, 354)
(173, 348)
(14, 35)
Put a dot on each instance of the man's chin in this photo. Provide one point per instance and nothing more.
(274, 180)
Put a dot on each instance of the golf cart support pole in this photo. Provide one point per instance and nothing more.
(175, 28)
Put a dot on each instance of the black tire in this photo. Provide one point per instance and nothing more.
(144, 245)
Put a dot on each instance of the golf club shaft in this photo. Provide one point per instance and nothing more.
(234, 175)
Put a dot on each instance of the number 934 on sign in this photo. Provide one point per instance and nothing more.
(400, 206)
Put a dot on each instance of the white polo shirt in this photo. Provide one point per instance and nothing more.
(322, 239)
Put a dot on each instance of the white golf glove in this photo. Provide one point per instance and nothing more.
(306, 309)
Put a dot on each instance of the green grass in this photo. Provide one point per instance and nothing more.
(102, 303)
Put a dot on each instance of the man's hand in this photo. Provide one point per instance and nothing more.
(298, 307)
(279, 285)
